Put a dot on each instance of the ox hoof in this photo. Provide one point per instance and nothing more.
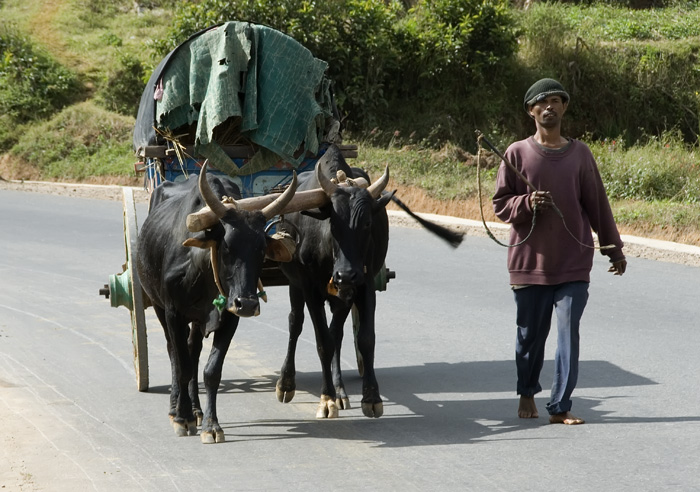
(343, 403)
(183, 429)
(373, 410)
(212, 437)
(327, 409)
(284, 396)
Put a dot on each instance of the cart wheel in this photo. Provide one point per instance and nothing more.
(138, 320)
(355, 329)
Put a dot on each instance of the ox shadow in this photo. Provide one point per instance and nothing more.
(229, 386)
(443, 403)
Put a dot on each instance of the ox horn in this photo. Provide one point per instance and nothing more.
(376, 188)
(326, 184)
(278, 205)
(208, 195)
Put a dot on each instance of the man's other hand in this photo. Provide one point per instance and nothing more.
(618, 267)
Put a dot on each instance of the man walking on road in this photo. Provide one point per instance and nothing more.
(550, 266)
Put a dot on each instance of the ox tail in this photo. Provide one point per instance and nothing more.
(453, 238)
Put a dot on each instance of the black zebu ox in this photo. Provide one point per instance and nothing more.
(178, 272)
(345, 241)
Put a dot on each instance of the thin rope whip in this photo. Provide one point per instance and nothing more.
(479, 139)
(481, 207)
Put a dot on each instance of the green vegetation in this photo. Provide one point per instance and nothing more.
(412, 84)
(613, 22)
(637, 82)
(379, 53)
(122, 86)
(665, 169)
(32, 84)
(443, 175)
(653, 188)
(81, 141)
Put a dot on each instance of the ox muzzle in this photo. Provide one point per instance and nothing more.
(244, 307)
(344, 283)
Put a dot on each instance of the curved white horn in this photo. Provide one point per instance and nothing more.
(278, 205)
(376, 188)
(326, 184)
(208, 195)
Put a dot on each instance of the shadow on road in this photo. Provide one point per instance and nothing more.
(436, 404)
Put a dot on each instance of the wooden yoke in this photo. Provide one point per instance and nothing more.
(303, 200)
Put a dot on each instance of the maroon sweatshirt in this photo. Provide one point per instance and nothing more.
(551, 255)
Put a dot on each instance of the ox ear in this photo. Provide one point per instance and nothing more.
(318, 213)
(195, 242)
(383, 199)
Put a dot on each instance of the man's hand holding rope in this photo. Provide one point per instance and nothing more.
(542, 200)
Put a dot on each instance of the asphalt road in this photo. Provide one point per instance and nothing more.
(73, 419)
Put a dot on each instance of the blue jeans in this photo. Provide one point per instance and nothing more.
(534, 318)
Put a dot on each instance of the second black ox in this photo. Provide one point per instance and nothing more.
(340, 249)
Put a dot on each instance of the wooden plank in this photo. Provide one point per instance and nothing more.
(348, 151)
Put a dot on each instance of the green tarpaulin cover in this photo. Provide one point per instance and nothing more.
(266, 86)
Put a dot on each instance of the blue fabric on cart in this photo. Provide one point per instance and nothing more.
(264, 84)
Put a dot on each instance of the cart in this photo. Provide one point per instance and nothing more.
(252, 102)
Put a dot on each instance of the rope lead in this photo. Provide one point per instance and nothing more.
(479, 137)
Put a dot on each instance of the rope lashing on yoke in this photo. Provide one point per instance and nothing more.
(342, 178)
(479, 138)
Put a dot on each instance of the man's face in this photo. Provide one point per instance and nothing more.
(549, 111)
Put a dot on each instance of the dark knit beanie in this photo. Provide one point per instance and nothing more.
(542, 89)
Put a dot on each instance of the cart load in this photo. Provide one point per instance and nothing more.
(247, 98)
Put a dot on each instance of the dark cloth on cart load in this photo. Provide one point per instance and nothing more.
(263, 84)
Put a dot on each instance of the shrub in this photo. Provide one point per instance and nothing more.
(32, 84)
(662, 169)
(636, 88)
(81, 141)
(378, 52)
(8, 132)
(123, 85)
(461, 38)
